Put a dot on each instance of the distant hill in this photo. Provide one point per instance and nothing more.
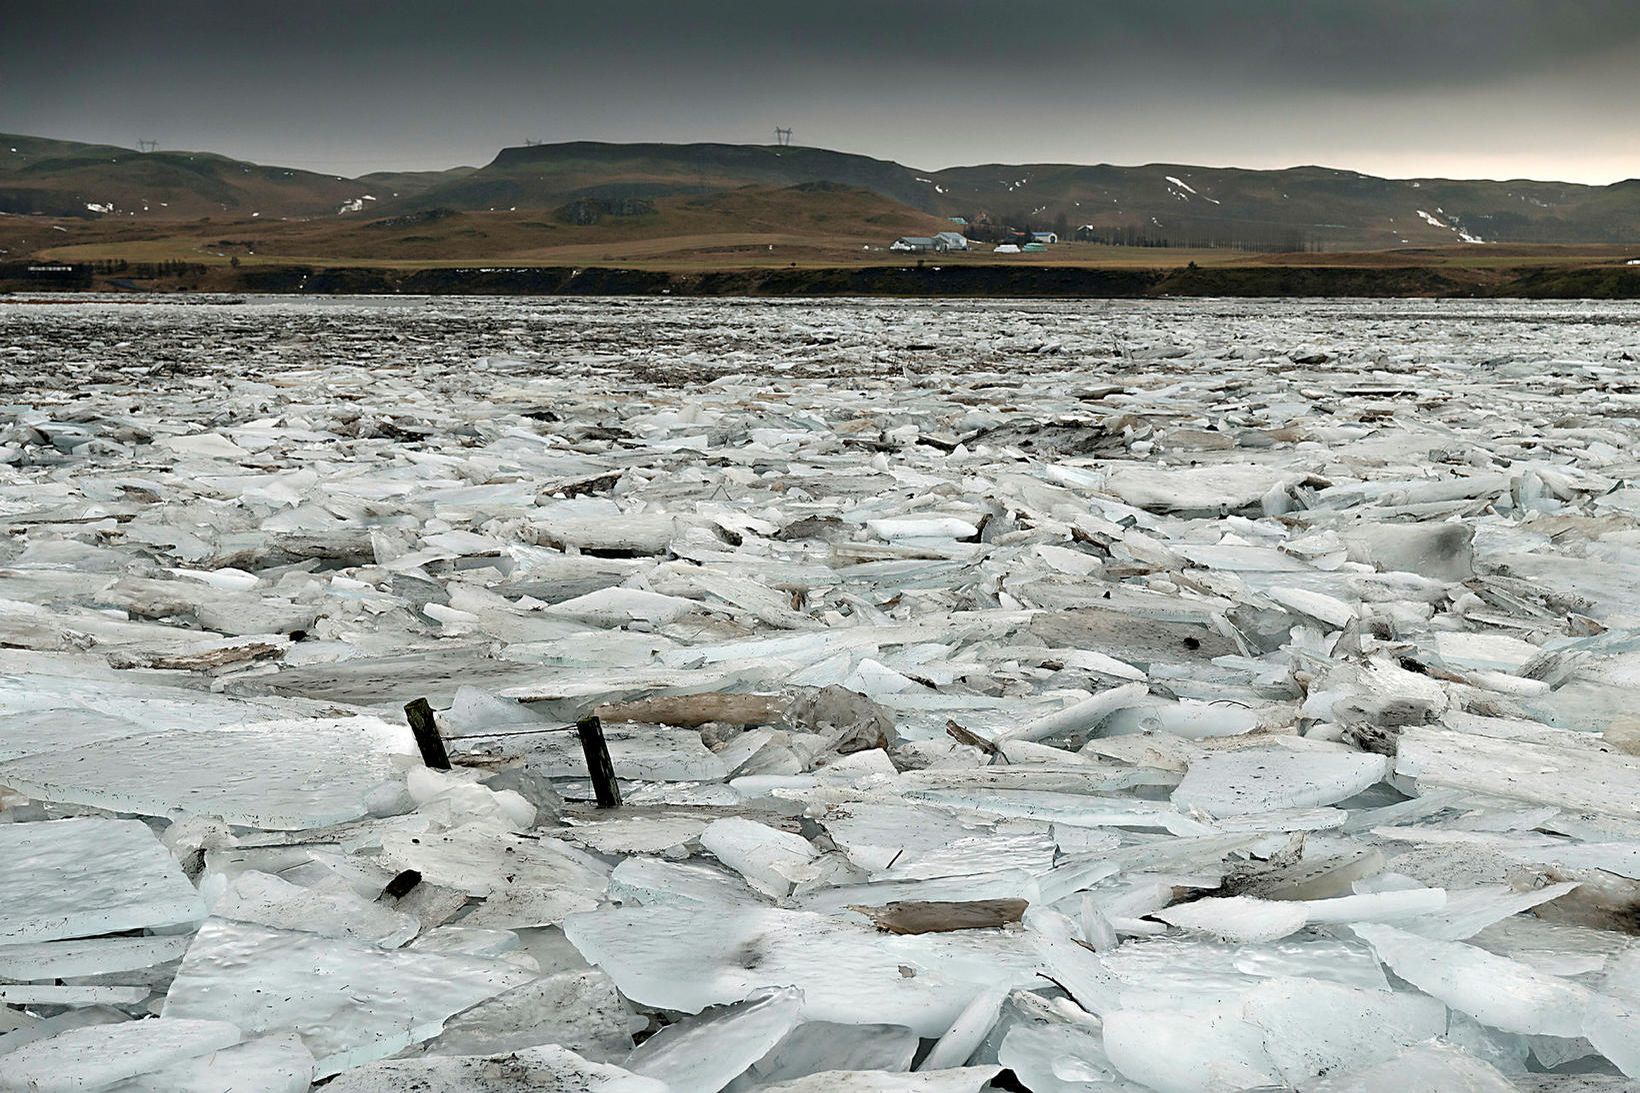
(1156, 204)
(67, 179)
(819, 214)
(1173, 204)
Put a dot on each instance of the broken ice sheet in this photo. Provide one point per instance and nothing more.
(651, 880)
(817, 1046)
(1243, 918)
(708, 1051)
(1178, 972)
(677, 517)
(281, 774)
(526, 881)
(267, 1064)
(1256, 780)
(1570, 776)
(92, 956)
(1282, 1033)
(966, 1079)
(579, 1010)
(1494, 990)
(686, 959)
(770, 860)
(72, 878)
(543, 1069)
(97, 1056)
(333, 910)
(1432, 1066)
(349, 1002)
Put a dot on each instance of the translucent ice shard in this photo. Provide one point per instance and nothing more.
(1253, 780)
(97, 1056)
(269, 1064)
(1206, 491)
(527, 882)
(639, 835)
(333, 910)
(1169, 973)
(545, 1069)
(1443, 551)
(619, 606)
(1282, 1033)
(966, 1032)
(1469, 911)
(1494, 990)
(289, 774)
(60, 729)
(688, 958)
(1079, 716)
(579, 1010)
(652, 880)
(772, 861)
(95, 956)
(966, 1079)
(709, 1051)
(70, 878)
(1244, 918)
(816, 1046)
(349, 1002)
(1432, 1066)
(1315, 1028)
(1055, 1053)
(1238, 918)
(1572, 777)
(1612, 1025)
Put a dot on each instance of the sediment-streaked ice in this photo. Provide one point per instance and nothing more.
(77, 877)
(349, 1002)
(1136, 697)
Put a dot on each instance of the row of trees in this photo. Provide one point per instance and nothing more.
(1214, 234)
(171, 267)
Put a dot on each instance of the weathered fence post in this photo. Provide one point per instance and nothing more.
(598, 764)
(420, 716)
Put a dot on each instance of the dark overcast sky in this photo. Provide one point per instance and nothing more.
(1483, 88)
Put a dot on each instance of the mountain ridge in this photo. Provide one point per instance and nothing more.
(1308, 207)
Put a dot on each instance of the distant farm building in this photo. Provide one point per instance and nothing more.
(1044, 237)
(948, 241)
(914, 244)
(960, 221)
(1006, 248)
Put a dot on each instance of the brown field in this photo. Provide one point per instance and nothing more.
(750, 228)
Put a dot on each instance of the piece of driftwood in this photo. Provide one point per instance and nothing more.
(972, 739)
(693, 711)
(420, 715)
(935, 917)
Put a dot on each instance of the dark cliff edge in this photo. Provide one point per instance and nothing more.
(1607, 282)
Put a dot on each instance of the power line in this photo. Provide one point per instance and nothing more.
(782, 137)
(147, 145)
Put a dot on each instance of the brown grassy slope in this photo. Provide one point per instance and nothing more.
(836, 220)
(63, 178)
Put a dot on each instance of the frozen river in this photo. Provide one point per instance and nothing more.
(1176, 695)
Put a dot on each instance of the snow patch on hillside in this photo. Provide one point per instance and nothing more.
(1185, 186)
(1437, 222)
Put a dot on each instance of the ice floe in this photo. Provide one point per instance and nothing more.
(1179, 696)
